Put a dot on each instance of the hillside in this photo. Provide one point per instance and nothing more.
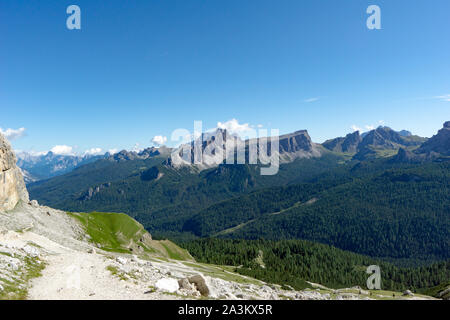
(375, 209)
(162, 197)
(297, 262)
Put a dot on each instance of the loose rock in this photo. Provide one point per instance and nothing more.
(200, 284)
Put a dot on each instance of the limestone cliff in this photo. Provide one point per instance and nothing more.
(12, 186)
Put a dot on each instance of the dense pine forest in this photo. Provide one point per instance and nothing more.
(292, 262)
(377, 209)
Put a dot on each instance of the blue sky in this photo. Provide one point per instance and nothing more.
(138, 69)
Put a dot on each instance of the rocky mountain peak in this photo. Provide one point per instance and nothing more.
(348, 144)
(439, 143)
(12, 186)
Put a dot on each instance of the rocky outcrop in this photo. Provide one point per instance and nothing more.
(440, 143)
(147, 153)
(407, 156)
(211, 149)
(200, 284)
(348, 144)
(382, 139)
(298, 145)
(12, 185)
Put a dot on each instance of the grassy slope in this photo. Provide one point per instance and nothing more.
(16, 288)
(119, 232)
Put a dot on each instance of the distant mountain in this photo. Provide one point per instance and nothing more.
(436, 148)
(298, 145)
(210, 149)
(440, 143)
(380, 142)
(125, 155)
(348, 144)
(334, 198)
(40, 167)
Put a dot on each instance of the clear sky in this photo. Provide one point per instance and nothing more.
(138, 69)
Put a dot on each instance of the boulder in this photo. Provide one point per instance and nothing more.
(408, 293)
(167, 285)
(122, 260)
(12, 185)
(200, 284)
(34, 203)
(185, 284)
(31, 251)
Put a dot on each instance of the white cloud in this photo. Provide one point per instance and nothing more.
(113, 151)
(356, 128)
(137, 147)
(13, 134)
(309, 100)
(38, 153)
(159, 140)
(368, 127)
(234, 127)
(62, 150)
(93, 151)
(445, 97)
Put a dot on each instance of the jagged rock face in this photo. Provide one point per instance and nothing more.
(297, 141)
(12, 186)
(213, 148)
(207, 151)
(407, 156)
(440, 143)
(125, 155)
(348, 144)
(297, 145)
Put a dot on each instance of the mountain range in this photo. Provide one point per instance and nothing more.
(324, 217)
(44, 166)
(383, 193)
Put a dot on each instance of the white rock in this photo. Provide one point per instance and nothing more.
(14, 266)
(122, 260)
(34, 203)
(31, 251)
(408, 293)
(167, 285)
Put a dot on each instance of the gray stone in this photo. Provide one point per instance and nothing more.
(34, 203)
(185, 284)
(200, 284)
(12, 185)
(31, 251)
(122, 260)
(408, 293)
